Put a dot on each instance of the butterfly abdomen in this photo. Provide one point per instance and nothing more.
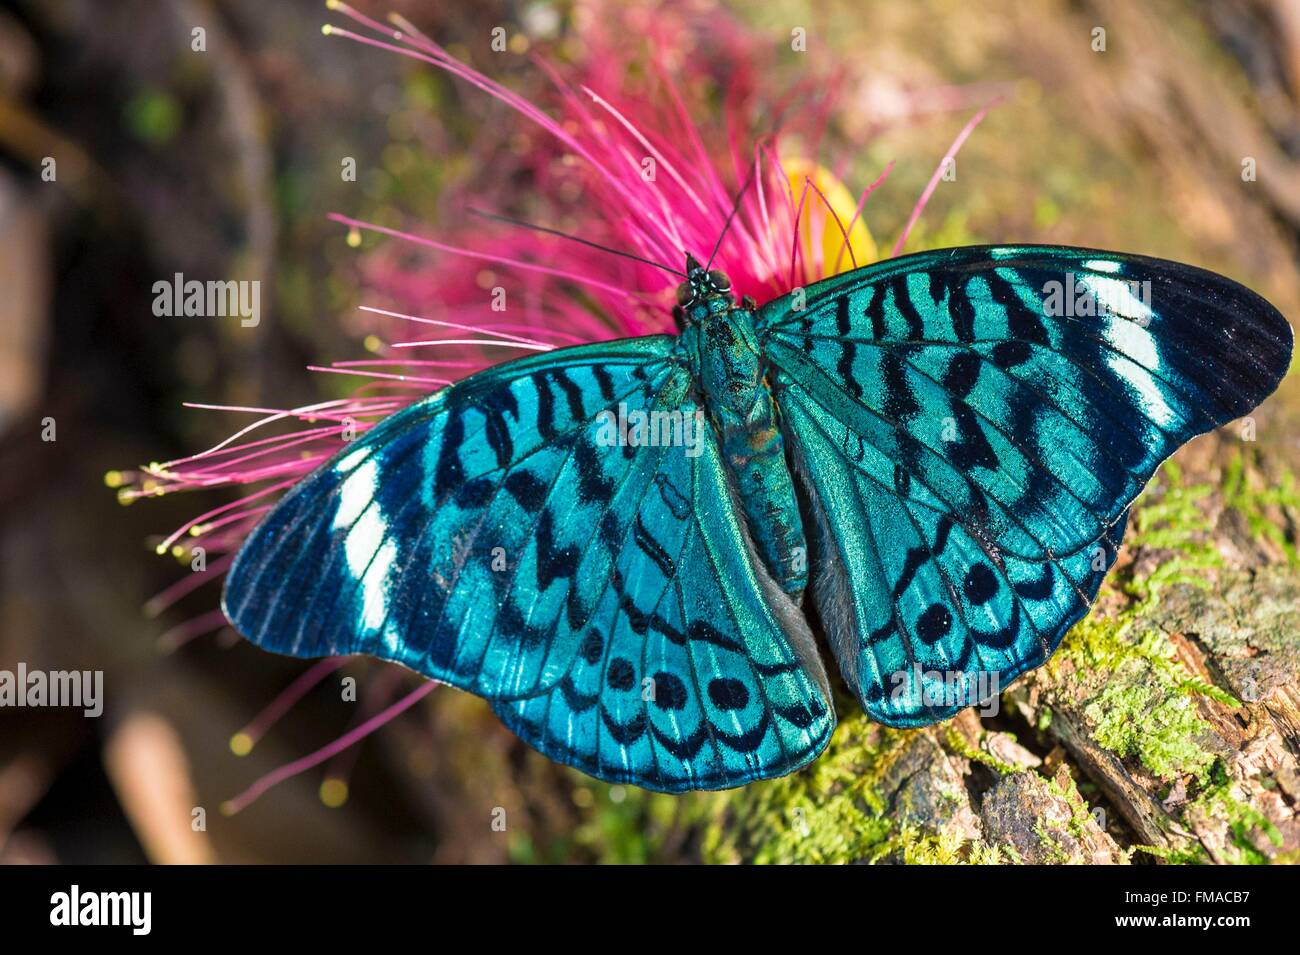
(731, 375)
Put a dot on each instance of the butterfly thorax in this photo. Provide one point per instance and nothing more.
(719, 337)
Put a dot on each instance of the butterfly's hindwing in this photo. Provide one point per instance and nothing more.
(490, 537)
(698, 672)
(972, 446)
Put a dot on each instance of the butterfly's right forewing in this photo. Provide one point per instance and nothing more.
(972, 425)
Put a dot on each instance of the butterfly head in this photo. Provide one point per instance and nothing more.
(702, 293)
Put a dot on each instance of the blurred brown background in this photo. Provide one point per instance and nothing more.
(226, 163)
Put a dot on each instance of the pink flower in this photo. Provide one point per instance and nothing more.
(618, 162)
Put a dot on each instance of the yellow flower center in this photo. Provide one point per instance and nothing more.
(834, 254)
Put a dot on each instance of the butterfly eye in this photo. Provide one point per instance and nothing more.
(719, 280)
(684, 294)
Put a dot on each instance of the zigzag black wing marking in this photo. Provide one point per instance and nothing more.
(973, 432)
(492, 536)
(696, 670)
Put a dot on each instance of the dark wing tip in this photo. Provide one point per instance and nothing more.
(1227, 338)
(1248, 342)
(1263, 332)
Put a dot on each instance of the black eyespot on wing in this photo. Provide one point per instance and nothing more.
(592, 647)
(933, 623)
(728, 694)
(669, 691)
(620, 675)
(980, 585)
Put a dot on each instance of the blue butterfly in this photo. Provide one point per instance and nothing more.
(611, 542)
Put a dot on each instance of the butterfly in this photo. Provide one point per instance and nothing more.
(627, 548)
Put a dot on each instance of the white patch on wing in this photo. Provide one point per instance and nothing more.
(350, 460)
(357, 491)
(370, 556)
(1102, 265)
(1126, 331)
(1133, 340)
(363, 541)
(1153, 403)
(1118, 296)
(369, 553)
(375, 587)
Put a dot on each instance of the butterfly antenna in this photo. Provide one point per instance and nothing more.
(573, 238)
(735, 207)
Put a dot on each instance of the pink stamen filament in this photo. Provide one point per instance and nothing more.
(186, 585)
(484, 256)
(938, 174)
(844, 233)
(183, 633)
(795, 245)
(464, 328)
(204, 518)
(378, 691)
(289, 697)
(487, 343)
(857, 211)
(387, 376)
(290, 770)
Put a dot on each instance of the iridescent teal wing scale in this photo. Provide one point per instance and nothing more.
(688, 621)
(488, 537)
(970, 445)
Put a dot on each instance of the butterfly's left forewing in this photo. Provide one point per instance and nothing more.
(971, 430)
(506, 536)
